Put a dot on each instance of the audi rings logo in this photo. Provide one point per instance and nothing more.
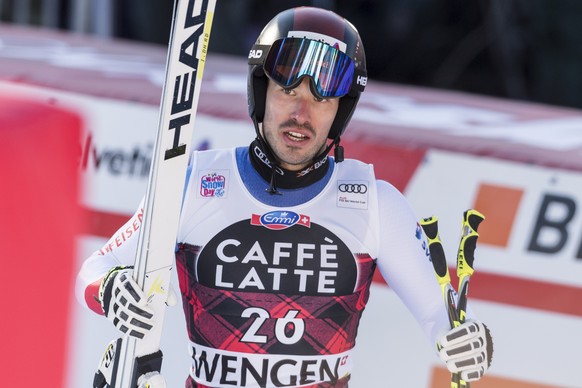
(356, 188)
(353, 194)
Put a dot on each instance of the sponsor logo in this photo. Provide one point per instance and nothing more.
(333, 42)
(553, 219)
(134, 163)
(236, 369)
(256, 54)
(353, 188)
(263, 158)
(275, 257)
(313, 167)
(123, 235)
(190, 57)
(120, 161)
(424, 244)
(353, 194)
(157, 287)
(280, 219)
(109, 355)
(362, 80)
(418, 232)
(213, 185)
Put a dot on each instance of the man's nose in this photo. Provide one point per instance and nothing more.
(302, 104)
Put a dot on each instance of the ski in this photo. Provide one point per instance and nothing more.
(127, 358)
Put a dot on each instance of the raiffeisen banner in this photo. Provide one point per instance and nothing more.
(519, 164)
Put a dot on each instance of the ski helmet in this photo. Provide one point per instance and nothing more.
(312, 42)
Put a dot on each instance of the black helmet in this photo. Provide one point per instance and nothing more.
(314, 42)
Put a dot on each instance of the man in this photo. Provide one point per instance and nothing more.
(278, 242)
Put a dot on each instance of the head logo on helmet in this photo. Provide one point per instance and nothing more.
(329, 43)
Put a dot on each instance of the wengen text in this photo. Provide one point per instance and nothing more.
(241, 371)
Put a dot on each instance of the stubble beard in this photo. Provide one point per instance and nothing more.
(288, 156)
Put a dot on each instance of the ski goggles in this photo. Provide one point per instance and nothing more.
(290, 59)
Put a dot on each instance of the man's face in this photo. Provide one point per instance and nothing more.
(296, 124)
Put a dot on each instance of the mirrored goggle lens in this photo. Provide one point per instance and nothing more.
(290, 59)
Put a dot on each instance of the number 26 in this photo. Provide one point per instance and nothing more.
(261, 315)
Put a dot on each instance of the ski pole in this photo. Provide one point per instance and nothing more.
(439, 262)
(466, 255)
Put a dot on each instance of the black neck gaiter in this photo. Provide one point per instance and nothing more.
(280, 177)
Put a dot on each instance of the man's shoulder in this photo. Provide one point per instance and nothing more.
(213, 153)
(355, 166)
(355, 162)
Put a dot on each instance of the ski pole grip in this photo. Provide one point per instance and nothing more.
(435, 246)
(471, 220)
